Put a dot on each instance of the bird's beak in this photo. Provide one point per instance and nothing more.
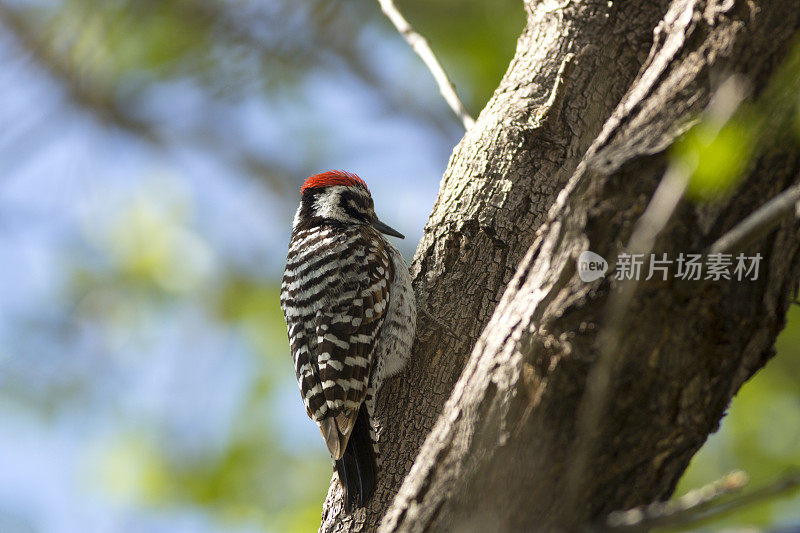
(383, 228)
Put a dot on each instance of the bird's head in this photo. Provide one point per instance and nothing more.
(338, 197)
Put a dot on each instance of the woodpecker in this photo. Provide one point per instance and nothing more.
(350, 315)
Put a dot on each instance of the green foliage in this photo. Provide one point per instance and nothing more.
(729, 135)
(143, 39)
(717, 156)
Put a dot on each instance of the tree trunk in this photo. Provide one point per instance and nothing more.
(502, 454)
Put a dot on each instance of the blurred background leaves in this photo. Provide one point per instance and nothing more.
(150, 154)
(150, 159)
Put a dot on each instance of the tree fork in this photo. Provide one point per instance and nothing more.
(499, 452)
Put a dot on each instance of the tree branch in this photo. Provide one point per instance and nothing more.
(499, 454)
(662, 206)
(699, 504)
(760, 223)
(423, 50)
(501, 180)
(593, 405)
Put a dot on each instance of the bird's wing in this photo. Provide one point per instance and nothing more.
(347, 331)
(334, 353)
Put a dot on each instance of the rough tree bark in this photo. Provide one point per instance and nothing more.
(572, 116)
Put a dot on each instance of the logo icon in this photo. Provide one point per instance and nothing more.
(591, 266)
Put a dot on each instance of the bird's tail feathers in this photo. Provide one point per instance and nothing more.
(357, 468)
